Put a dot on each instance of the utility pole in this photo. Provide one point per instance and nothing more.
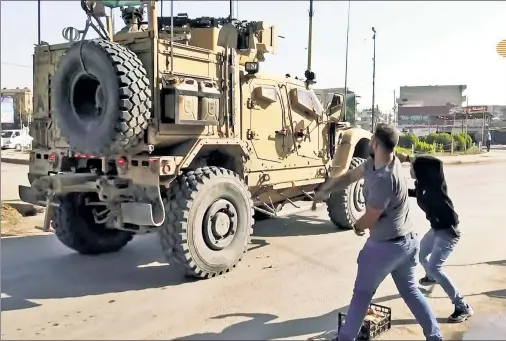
(346, 66)
(38, 23)
(373, 76)
(394, 119)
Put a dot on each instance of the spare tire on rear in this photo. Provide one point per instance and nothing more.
(102, 97)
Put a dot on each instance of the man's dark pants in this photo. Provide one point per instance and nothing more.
(377, 260)
(488, 145)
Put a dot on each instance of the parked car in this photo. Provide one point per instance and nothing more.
(16, 139)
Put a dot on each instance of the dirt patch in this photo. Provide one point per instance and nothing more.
(10, 215)
(26, 210)
(20, 219)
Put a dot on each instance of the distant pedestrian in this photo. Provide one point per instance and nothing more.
(431, 194)
(392, 247)
(489, 140)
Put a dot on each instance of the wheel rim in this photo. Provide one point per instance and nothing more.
(220, 224)
(357, 196)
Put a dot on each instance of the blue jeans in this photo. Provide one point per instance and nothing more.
(439, 245)
(376, 261)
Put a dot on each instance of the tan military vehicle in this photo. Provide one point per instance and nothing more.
(170, 126)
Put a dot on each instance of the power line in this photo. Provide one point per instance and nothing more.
(17, 65)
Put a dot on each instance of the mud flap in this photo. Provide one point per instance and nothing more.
(32, 196)
(143, 214)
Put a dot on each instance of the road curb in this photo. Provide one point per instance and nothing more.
(467, 162)
(15, 161)
(470, 162)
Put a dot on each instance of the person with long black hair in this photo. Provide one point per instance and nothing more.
(431, 193)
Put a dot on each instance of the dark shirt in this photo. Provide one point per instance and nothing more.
(431, 195)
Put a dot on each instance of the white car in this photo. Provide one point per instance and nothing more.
(16, 139)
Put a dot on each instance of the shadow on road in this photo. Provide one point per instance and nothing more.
(261, 327)
(294, 226)
(492, 294)
(495, 262)
(39, 267)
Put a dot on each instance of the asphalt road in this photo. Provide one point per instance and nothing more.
(12, 176)
(291, 285)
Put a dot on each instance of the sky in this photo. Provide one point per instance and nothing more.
(417, 43)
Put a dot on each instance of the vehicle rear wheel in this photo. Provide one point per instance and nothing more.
(346, 206)
(75, 227)
(209, 221)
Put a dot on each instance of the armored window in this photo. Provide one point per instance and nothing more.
(266, 93)
(317, 104)
(308, 100)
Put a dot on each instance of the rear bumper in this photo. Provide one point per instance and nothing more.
(56, 184)
(151, 212)
(32, 196)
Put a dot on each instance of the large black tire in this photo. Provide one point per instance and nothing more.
(102, 97)
(186, 237)
(346, 206)
(74, 226)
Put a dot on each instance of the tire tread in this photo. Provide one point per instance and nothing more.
(174, 235)
(338, 205)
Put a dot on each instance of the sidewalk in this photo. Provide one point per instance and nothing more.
(19, 158)
(495, 155)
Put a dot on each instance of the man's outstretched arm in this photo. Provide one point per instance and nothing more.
(333, 184)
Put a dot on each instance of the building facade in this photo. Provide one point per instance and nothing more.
(420, 107)
(21, 105)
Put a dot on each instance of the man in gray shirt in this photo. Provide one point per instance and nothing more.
(392, 246)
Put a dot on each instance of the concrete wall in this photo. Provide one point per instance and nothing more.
(437, 95)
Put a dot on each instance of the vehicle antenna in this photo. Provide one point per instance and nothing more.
(308, 74)
(310, 38)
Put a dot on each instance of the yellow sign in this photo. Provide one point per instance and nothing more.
(501, 48)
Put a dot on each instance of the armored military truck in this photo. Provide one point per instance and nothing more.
(170, 126)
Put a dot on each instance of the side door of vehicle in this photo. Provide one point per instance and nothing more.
(266, 126)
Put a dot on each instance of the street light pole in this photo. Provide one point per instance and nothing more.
(373, 75)
(346, 66)
(38, 22)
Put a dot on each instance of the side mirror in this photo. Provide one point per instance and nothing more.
(336, 104)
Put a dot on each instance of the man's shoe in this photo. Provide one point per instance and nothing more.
(461, 314)
(426, 281)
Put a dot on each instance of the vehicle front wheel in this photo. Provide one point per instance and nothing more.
(209, 221)
(346, 206)
(75, 227)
